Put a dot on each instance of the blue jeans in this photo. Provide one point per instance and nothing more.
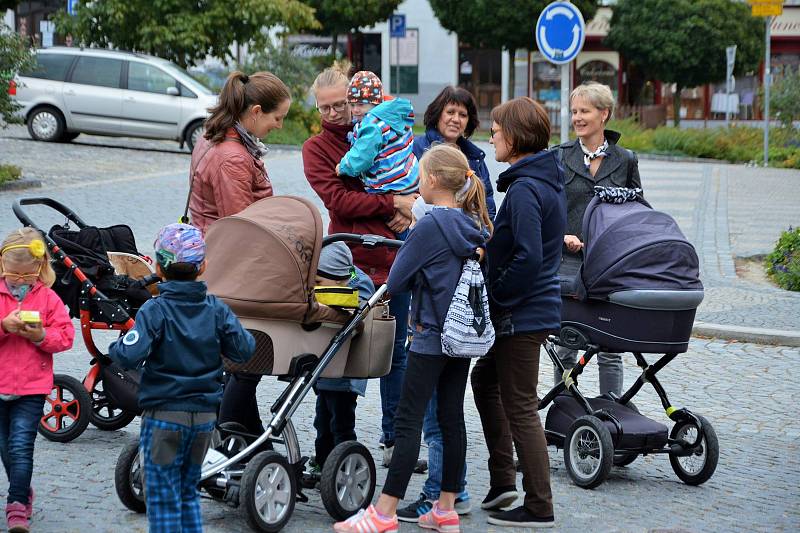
(433, 438)
(18, 422)
(173, 456)
(392, 383)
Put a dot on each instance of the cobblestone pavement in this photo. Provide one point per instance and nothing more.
(745, 390)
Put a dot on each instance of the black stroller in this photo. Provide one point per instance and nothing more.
(637, 291)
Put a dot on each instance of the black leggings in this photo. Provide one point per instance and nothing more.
(424, 373)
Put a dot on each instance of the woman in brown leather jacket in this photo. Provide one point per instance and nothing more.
(227, 173)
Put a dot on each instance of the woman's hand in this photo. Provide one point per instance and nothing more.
(12, 323)
(573, 243)
(481, 254)
(403, 203)
(399, 222)
(337, 170)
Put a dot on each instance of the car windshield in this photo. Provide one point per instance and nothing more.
(193, 82)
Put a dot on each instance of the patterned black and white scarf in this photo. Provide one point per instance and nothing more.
(589, 156)
(616, 195)
(253, 145)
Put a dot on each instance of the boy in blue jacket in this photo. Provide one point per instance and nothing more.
(179, 339)
(382, 154)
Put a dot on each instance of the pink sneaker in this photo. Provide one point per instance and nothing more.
(29, 507)
(17, 520)
(367, 520)
(439, 520)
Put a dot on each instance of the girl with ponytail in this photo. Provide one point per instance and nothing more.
(430, 264)
(227, 173)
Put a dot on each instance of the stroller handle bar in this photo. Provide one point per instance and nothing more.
(49, 202)
(370, 241)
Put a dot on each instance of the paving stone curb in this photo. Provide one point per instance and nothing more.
(20, 185)
(777, 337)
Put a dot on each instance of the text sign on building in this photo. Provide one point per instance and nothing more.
(560, 32)
(766, 8)
(397, 26)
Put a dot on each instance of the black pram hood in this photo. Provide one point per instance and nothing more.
(632, 246)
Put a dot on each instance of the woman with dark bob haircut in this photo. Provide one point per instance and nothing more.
(452, 118)
(523, 257)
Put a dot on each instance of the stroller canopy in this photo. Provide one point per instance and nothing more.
(263, 260)
(631, 246)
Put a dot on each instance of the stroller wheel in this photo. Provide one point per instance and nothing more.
(699, 467)
(348, 480)
(228, 438)
(268, 491)
(588, 451)
(105, 415)
(129, 478)
(66, 410)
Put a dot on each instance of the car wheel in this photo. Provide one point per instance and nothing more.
(46, 124)
(193, 134)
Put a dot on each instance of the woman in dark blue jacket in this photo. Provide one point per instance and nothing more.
(523, 257)
(452, 118)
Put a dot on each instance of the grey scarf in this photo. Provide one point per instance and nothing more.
(253, 145)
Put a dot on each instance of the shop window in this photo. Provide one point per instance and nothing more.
(601, 72)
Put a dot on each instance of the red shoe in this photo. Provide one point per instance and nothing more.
(17, 521)
(441, 521)
(367, 520)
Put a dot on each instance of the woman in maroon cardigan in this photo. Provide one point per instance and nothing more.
(352, 210)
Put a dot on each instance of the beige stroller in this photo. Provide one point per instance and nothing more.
(262, 263)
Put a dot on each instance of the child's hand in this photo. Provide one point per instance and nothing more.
(12, 322)
(337, 170)
(32, 332)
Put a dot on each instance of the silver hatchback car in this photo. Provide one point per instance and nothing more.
(73, 91)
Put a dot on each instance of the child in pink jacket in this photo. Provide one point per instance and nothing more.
(35, 325)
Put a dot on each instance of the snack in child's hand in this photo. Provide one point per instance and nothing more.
(30, 317)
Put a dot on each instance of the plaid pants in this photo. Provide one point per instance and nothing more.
(173, 455)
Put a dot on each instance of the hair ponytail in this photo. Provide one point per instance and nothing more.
(451, 168)
(474, 202)
(240, 92)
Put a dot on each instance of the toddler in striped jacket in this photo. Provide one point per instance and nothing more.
(382, 140)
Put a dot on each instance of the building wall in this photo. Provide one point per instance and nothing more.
(437, 53)
(8, 19)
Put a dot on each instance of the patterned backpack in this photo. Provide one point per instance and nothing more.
(467, 330)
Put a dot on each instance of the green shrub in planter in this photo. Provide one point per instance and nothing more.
(783, 264)
(9, 173)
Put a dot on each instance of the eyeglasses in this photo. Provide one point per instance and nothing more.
(338, 107)
(492, 132)
(21, 276)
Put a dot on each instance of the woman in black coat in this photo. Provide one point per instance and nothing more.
(593, 159)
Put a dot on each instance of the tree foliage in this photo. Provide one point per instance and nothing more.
(683, 41)
(508, 24)
(15, 55)
(181, 31)
(337, 17)
(784, 98)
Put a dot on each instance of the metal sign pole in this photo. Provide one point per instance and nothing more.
(767, 82)
(565, 74)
